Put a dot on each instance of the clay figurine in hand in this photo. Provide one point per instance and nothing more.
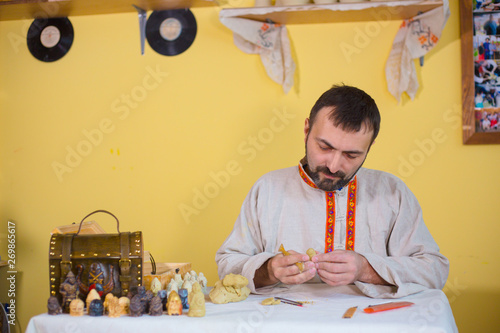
(53, 306)
(196, 301)
(174, 304)
(68, 290)
(124, 305)
(93, 294)
(155, 306)
(96, 308)
(183, 294)
(76, 307)
(233, 288)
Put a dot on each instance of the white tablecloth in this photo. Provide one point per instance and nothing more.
(431, 313)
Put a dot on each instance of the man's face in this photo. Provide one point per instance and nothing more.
(333, 155)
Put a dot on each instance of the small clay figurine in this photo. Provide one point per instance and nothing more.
(196, 302)
(174, 304)
(76, 307)
(172, 286)
(93, 294)
(136, 306)
(155, 286)
(68, 290)
(183, 294)
(53, 306)
(178, 279)
(96, 308)
(148, 298)
(163, 296)
(124, 305)
(187, 285)
(155, 306)
(202, 280)
(107, 298)
(113, 307)
(144, 297)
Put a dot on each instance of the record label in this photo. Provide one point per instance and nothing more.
(170, 29)
(171, 32)
(50, 36)
(50, 39)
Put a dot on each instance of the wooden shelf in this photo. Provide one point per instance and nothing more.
(29, 9)
(336, 12)
(3, 263)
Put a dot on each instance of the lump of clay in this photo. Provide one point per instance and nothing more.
(233, 288)
(271, 301)
(311, 253)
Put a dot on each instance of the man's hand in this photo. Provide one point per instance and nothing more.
(282, 268)
(341, 267)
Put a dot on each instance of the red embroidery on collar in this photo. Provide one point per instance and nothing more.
(330, 213)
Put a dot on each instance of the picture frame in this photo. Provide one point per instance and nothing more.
(480, 48)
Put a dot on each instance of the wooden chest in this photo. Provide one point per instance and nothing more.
(111, 263)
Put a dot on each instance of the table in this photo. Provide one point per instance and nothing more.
(323, 313)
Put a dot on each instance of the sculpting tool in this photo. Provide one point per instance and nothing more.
(386, 306)
(289, 301)
(350, 312)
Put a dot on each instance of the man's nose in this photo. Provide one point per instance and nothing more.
(335, 161)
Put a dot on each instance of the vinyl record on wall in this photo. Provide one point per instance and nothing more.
(50, 39)
(171, 32)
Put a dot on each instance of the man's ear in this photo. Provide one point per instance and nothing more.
(307, 128)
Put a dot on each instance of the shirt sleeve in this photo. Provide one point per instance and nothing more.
(413, 262)
(243, 250)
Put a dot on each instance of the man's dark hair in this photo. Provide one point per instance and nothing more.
(351, 108)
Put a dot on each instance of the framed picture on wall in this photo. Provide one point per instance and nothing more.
(480, 42)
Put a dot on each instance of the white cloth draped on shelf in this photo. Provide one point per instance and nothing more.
(415, 38)
(270, 41)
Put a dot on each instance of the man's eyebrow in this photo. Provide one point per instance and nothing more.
(355, 152)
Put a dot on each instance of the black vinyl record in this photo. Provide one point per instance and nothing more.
(171, 32)
(50, 39)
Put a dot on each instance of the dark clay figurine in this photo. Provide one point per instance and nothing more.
(96, 308)
(53, 306)
(183, 294)
(155, 306)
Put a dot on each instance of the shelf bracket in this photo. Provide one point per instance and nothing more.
(142, 26)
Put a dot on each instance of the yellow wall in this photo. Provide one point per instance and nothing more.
(198, 117)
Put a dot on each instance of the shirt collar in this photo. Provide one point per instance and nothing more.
(305, 177)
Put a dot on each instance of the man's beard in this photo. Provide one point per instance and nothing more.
(327, 184)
